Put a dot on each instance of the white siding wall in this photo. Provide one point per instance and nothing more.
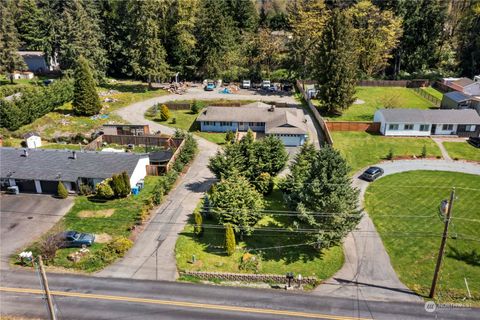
(439, 130)
(378, 117)
(402, 132)
(216, 127)
(140, 171)
(34, 142)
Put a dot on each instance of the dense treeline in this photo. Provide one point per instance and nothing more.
(34, 102)
(232, 39)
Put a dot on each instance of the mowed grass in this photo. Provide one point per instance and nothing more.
(462, 151)
(362, 149)
(275, 258)
(405, 210)
(434, 92)
(378, 98)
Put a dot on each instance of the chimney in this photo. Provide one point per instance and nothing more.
(74, 155)
(25, 153)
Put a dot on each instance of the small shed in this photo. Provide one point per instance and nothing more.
(33, 140)
(455, 100)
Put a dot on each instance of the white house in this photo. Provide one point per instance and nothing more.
(33, 140)
(415, 122)
(288, 124)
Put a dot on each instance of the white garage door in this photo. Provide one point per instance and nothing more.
(290, 140)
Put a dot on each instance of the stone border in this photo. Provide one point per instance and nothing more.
(247, 277)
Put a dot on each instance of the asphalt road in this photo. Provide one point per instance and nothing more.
(81, 297)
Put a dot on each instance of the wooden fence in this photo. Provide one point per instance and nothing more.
(316, 114)
(416, 83)
(442, 87)
(437, 102)
(177, 105)
(146, 140)
(353, 126)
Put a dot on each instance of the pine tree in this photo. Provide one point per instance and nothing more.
(30, 22)
(469, 41)
(230, 244)
(62, 191)
(198, 228)
(164, 113)
(335, 65)
(10, 60)
(126, 184)
(85, 98)
(195, 107)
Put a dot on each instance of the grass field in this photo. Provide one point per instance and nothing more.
(362, 149)
(210, 253)
(434, 92)
(377, 98)
(462, 151)
(404, 208)
(62, 122)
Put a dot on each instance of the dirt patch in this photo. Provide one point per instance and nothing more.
(96, 214)
(103, 238)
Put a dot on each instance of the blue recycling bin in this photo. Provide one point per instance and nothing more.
(135, 191)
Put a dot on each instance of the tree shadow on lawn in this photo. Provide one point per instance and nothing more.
(469, 257)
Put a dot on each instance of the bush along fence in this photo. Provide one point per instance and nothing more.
(33, 103)
(247, 277)
(428, 96)
(316, 115)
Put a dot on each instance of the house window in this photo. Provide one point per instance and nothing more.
(408, 126)
(424, 127)
(470, 128)
(225, 123)
(206, 123)
(251, 124)
(393, 127)
(447, 127)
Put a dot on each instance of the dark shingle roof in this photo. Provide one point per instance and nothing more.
(55, 165)
(30, 134)
(160, 156)
(465, 116)
(457, 96)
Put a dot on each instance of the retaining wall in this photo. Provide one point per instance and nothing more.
(247, 277)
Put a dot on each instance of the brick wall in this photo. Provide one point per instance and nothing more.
(246, 277)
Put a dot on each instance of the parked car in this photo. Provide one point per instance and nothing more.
(266, 84)
(210, 86)
(474, 141)
(74, 239)
(272, 88)
(371, 173)
(246, 84)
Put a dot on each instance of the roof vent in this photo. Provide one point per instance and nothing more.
(272, 108)
(74, 155)
(25, 153)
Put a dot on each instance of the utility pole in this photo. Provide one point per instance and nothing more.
(442, 245)
(51, 309)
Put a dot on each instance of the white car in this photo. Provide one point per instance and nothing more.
(266, 84)
(246, 84)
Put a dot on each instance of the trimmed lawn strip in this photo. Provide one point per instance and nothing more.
(408, 203)
(375, 98)
(434, 92)
(362, 149)
(462, 151)
(302, 259)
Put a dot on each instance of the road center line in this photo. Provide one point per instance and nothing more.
(183, 304)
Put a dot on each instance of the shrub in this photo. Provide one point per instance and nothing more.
(174, 120)
(230, 137)
(157, 194)
(230, 243)
(120, 245)
(250, 263)
(48, 248)
(389, 154)
(62, 191)
(116, 183)
(195, 107)
(424, 151)
(264, 183)
(164, 113)
(126, 184)
(198, 228)
(104, 190)
(85, 190)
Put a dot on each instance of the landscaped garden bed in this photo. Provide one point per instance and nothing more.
(405, 210)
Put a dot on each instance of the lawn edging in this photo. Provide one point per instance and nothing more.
(245, 277)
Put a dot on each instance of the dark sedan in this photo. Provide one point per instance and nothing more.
(474, 142)
(74, 239)
(371, 173)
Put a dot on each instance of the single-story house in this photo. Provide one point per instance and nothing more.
(33, 140)
(40, 170)
(18, 75)
(459, 100)
(466, 85)
(37, 62)
(288, 124)
(126, 129)
(416, 122)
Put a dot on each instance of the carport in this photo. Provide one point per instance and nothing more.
(49, 187)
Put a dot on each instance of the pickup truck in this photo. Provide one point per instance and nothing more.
(266, 84)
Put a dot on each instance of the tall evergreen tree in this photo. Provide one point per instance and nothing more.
(148, 56)
(85, 96)
(244, 14)
(29, 20)
(335, 65)
(10, 60)
(469, 41)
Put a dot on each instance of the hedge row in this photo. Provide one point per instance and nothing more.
(9, 90)
(34, 103)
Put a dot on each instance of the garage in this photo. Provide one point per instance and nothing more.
(26, 185)
(49, 187)
(291, 140)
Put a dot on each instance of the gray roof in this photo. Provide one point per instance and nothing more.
(464, 116)
(56, 165)
(30, 134)
(463, 82)
(160, 156)
(457, 96)
(280, 120)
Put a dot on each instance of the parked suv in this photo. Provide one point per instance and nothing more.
(73, 239)
(371, 173)
(246, 84)
(474, 141)
(266, 84)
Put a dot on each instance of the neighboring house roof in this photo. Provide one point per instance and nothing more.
(278, 121)
(31, 54)
(463, 82)
(160, 156)
(466, 116)
(30, 134)
(457, 96)
(60, 165)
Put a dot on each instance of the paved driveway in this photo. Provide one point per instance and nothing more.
(25, 217)
(367, 273)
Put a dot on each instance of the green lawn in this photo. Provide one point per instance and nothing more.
(185, 119)
(362, 149)
(434, 92)
(404, 209)
(62, 122)
(462, 151)
(210, 253)
(377, 98)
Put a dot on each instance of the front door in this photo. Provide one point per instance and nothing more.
(434, 128)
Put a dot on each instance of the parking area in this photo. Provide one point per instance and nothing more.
(25, 217)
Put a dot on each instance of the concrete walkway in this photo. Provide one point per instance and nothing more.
(444, 151)
(367, 273)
